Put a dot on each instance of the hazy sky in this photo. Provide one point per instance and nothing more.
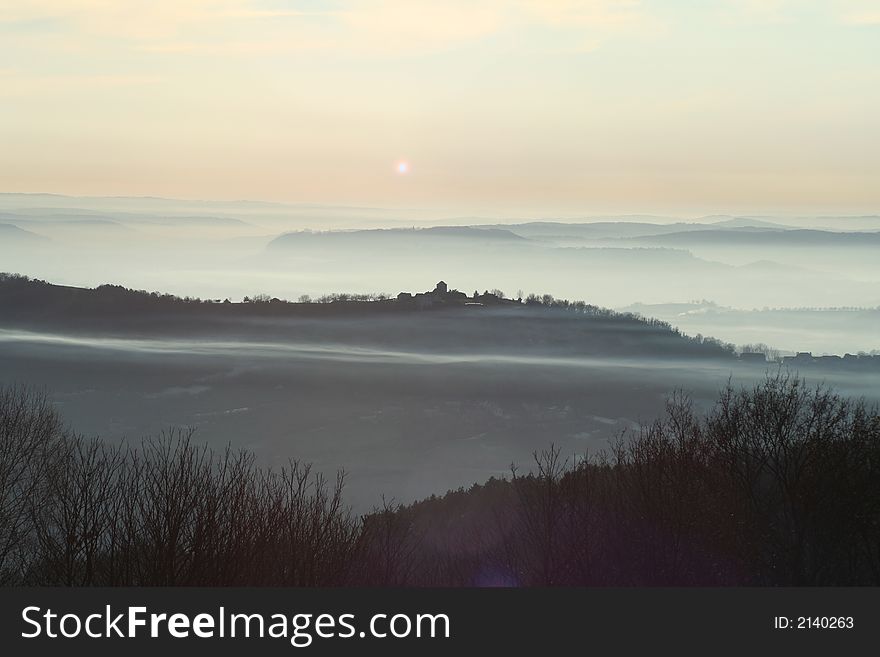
(545, 105)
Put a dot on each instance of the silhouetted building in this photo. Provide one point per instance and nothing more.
(424, 300)
(802, 358)
(441, 295)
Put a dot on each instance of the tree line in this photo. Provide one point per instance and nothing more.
(778, 484)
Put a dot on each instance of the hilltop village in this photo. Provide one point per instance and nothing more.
(441, 295)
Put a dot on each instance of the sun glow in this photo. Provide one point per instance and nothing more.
(402, 168)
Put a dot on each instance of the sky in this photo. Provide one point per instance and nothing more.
(545, 106)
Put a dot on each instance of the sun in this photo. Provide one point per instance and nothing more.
(402, 167)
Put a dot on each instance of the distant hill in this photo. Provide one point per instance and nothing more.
(592, 230)
(770, 267)
(862, 222)
(75, 216)
(394, 236)
(10, 234)
(606, 230)
(474, 252)
(85, 225)
(761, 237)
(537, 326)
(748, 222)
(828, 222)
